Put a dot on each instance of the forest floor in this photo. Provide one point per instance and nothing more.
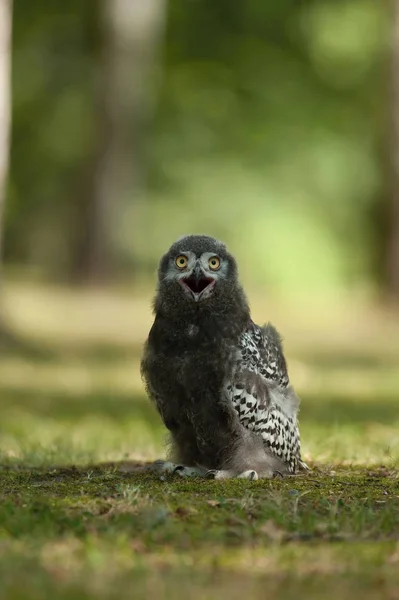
(80, 517)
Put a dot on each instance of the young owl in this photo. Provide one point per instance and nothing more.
(219, 381)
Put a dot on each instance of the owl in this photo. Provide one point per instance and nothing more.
(218, 380)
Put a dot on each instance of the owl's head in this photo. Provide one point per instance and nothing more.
(197, 270)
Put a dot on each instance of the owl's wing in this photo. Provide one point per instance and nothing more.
(262, 397)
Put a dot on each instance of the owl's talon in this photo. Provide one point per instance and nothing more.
(177, 469)
(165, 467)
(278, 474)
(184, 471)
(211, 474)
(169, 468)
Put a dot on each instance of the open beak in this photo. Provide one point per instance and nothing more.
(197, 284)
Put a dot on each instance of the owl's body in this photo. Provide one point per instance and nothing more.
(219, 381)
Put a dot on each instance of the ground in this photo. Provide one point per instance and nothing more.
(81, 517)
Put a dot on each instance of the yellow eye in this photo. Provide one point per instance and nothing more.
(214, 263)
(181, 261)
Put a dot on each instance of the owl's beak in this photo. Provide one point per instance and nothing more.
(198, 284)
(197, 273)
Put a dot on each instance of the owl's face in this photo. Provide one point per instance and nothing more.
(197, 268)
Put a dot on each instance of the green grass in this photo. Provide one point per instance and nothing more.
(80, 517)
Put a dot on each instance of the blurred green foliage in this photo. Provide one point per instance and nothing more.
(268, 132)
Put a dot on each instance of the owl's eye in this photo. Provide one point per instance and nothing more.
(214, 263)
(181, 261)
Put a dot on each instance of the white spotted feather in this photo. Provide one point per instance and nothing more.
(262, 397)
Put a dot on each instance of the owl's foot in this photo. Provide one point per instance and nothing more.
(224, 474)
(165, 467)
(184, 471)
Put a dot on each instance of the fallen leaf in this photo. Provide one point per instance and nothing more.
(182, 511)
(213, 502)
(185, 511)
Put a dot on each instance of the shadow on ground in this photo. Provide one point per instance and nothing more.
(333, 358)
(334, 409)
(316, 409)
(62, 405)
(43, 351)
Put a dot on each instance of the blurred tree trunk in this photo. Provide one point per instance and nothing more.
(5, 116)
(392, 254)
(129, 38)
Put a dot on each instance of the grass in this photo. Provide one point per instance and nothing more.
(80, 517)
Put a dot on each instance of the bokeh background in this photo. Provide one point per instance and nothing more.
(271, 125)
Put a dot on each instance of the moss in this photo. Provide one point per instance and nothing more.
(346, 505)
(98, 530)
